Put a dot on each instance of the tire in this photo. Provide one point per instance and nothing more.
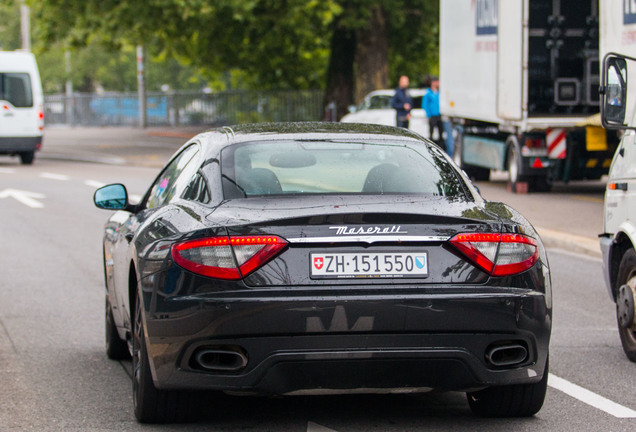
(116, 347)
(474, 172)
(514, 165)
(151, 404)
(518, 400)
(627, 271)
(541, 184)
(26, 158)
(457, 153)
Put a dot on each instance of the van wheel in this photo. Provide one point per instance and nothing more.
(626, 275)
(517, 400)
(27, 157)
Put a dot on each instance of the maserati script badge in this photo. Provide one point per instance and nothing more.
(346, 230)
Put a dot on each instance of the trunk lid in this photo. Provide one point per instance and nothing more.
(354, 240)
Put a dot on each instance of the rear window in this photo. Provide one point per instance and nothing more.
(16, 89)
(327, 167)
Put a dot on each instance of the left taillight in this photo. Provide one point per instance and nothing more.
(498, 254)
(224, 257)
(41, 119)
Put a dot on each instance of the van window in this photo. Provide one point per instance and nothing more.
(16, 89)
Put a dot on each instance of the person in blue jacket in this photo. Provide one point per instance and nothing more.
(430, 104)
(402, 103)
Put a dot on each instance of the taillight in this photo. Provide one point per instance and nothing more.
(498, 254)
(534, 142)
(41, 119)
(226, 257)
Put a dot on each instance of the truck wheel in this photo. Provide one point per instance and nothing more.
(518, 400)
(26, 158)
(541, 184)
(625, 281)
(457, 153)
(474, 172)
(514, 168)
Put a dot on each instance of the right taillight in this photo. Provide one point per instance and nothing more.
(228, 258)
(498, 254)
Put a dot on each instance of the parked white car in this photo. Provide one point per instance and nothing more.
(376, 109)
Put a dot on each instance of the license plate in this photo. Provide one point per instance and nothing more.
(368, 265)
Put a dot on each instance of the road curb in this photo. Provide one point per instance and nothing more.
(571, 242)
(79, 157)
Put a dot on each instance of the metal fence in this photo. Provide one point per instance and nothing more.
(185, 108)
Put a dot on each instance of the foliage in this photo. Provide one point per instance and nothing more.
(9, 26)
(276, 43)
(265, 44)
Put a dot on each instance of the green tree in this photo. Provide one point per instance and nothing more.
(388, 38)
(348, 47)
(9, 25)
(276, 43)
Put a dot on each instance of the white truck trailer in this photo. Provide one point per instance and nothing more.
(519, 81)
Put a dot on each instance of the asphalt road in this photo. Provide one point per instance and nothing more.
(54, 374)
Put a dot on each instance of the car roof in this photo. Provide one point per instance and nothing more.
(228, 135)
(390, 92)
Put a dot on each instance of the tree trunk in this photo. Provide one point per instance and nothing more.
(372, 55)
(340, 71)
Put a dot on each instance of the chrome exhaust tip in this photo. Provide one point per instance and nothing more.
(506, 354)
(219, 359)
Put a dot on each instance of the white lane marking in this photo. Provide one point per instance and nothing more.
(315, 427)
(7, 171)
(53, 176)
(94, 183)
(590, 398)
(25, 197)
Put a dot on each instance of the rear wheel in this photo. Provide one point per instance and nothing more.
(514, 165)
(151, 404)
(625, 281)
(541, 184)
(518, 400)
(116, 347)
(26, 158)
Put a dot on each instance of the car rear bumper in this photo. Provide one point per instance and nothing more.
(19, 144)
(389, 344)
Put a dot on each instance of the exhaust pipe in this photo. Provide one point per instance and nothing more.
(507, 354)
(226, 359)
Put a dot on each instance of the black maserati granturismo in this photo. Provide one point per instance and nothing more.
(319, 258)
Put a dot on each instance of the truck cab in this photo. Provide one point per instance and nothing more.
(618, 241)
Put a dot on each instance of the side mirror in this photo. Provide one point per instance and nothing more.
(614, 91)
(352, 108)
(111, 197)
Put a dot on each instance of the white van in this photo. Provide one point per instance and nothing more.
(21, 105)
(618, 241)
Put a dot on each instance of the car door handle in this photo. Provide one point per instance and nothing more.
(129, 236)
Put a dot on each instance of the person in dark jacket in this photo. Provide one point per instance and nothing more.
(402, 103)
